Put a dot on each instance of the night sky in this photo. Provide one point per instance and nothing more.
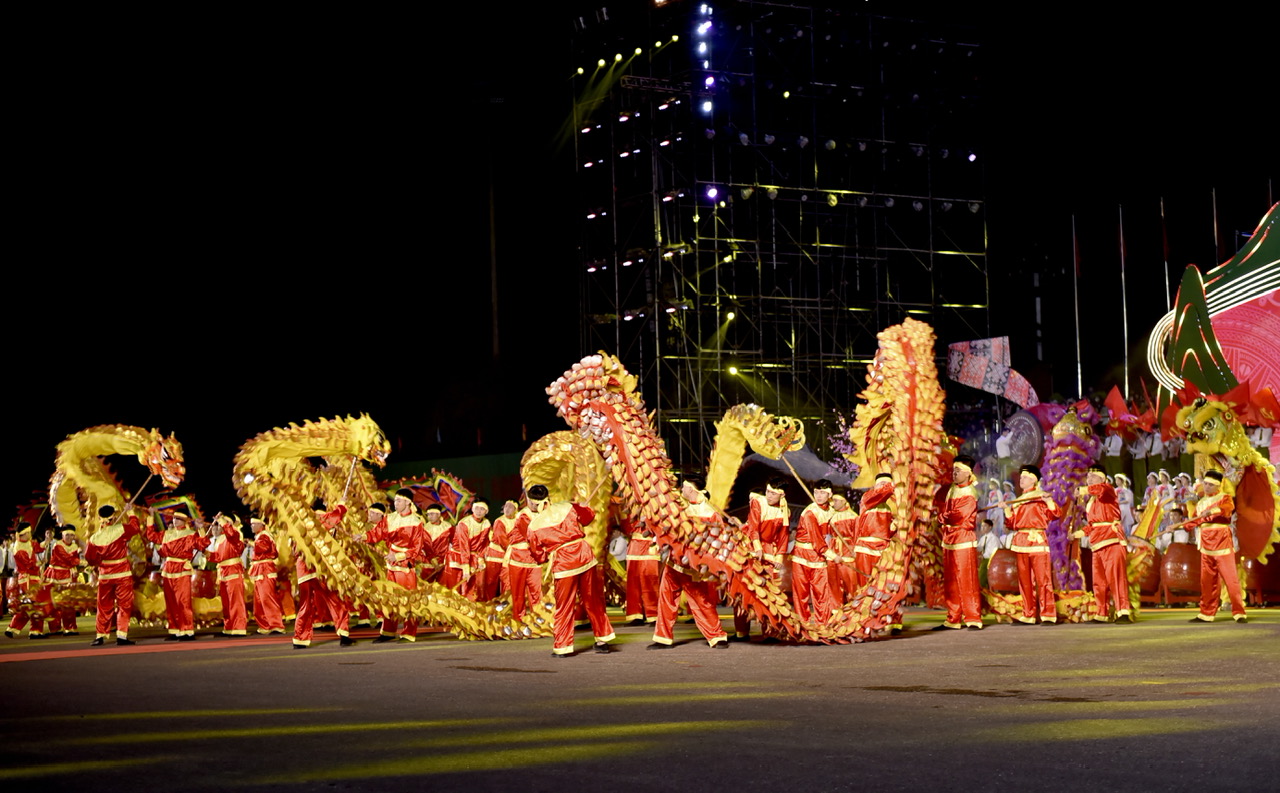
(237, 225)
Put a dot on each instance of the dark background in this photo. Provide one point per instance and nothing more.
(221, 225)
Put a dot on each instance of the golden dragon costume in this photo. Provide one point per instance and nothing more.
(597, 397)
(82, 482)
(1213, 428)
(274, 476)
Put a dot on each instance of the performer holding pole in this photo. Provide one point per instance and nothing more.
(1029, 518)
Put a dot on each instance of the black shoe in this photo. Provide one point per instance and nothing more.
(733, 637)
(125, 642)
(1125, 618)
(383, 639)
(562, 655)
(1048, 622)
(603, 648)
(973, 627)
(71, 633)
(10, 634)
(98, 642)
(637, 622)
(1202, 622)
(38, 636)
(1241, 619)
(720, 646)
(173, 637)
(895, 631)
(297, 646)
(945, 627)
(185, 638)
(655, 646)
(346, 641)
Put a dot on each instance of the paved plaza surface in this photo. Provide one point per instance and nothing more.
(1159, 705)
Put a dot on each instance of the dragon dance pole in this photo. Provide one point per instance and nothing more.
(797, 476)
(145, 482)
(350, 473)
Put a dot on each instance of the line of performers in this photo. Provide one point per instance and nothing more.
(834, 552)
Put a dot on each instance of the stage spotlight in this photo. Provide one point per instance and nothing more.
(973, 157)
(862, 145)
(946, 153)
(803, 141)
(862, 201)
(581, 70)
(831, 145)
(706, 107)
(769, 139)
(600, 63)
(702, 48)
(733, 370)
(917, 205)
(747, 192)
(627, 317)
(888, 203)
(831, 199)
(670, 309)
(617, 57)
(730, 315)
(712, 192)
(772, 192)
(710, 81)
(638, 50)
(946, 206)
(743, 139)
(974, 206)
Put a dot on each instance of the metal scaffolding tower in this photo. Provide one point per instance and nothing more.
(765, 189)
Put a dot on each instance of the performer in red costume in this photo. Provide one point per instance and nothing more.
(30, 586)
(767, 530)
(875, 528)
(642, 573)
(64, 558)
(466, 553)
(809, 557)
(225, 548)
(314, 596)
(1217, 551)
(1108, 546)
(177, 546)
(262, 571)
(496, 578)
(523, 571)
(555, 534)
(844, 537)
(405, 536)
(957, 520)
(108, 550)
(435, 553)
(677, 579)
(1029, 518)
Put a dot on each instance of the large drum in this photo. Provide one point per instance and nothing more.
(1002, 572)
(1149, 585)
(204, 584)
(1182, 569)
(1263, 580)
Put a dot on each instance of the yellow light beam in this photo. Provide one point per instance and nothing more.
(80, 767)
(258, 732)
(590, 732)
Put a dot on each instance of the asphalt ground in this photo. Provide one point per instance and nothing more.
(1158, 705)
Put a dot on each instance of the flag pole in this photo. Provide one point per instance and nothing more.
(1124, 307)
(1075, 287)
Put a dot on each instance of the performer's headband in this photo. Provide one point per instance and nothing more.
(26, 531)
(433, 508)
(1213, 476)
(481, 505)
(771, 489)
(510, 503)
(539, 504)
(885, 475)
(818, 490)
(962, 467)
(181, 516)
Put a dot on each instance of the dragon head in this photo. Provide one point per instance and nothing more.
(368, 441)
(1208, 426)
(163, 457)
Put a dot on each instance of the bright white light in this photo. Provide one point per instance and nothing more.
(704, 27)
(706, 106)
(712, 192)
(710, 81)
(665, 143)
(702, 48)
(973, 157)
